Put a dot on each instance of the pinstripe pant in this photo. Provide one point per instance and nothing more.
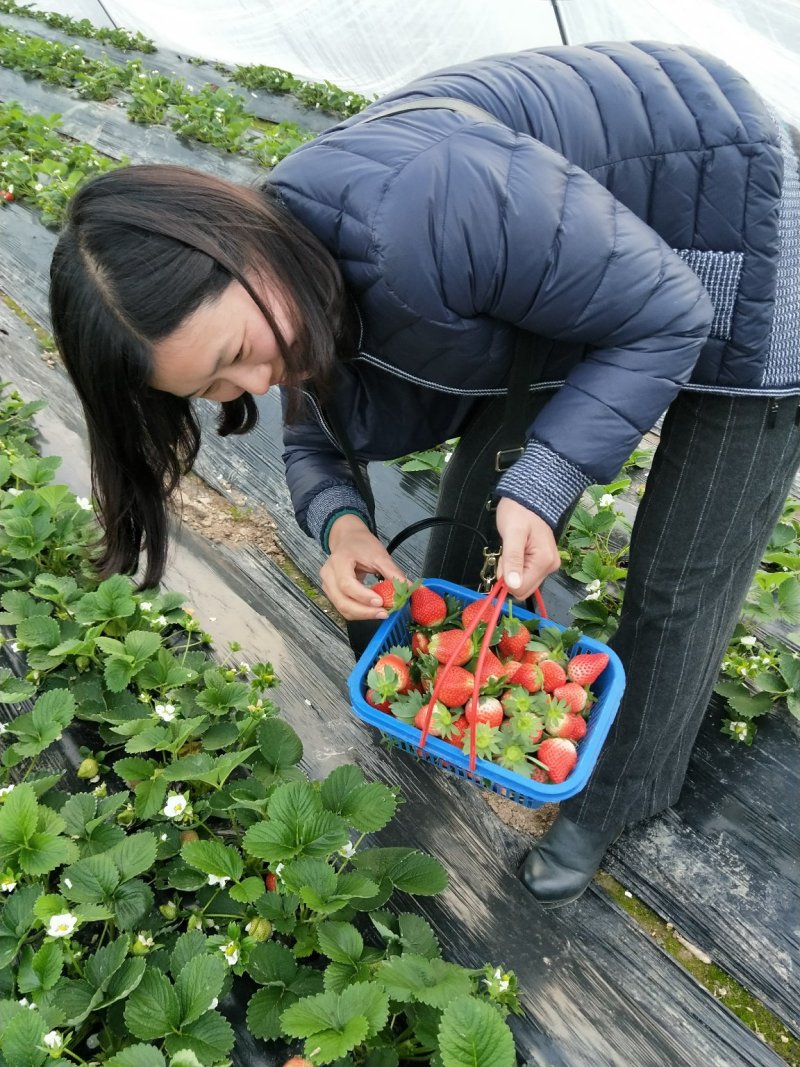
(720, 477)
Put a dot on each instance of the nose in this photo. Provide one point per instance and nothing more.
(255, 380)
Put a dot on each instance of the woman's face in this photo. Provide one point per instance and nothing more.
(224, 349)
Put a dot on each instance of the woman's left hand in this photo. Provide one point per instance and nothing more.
(530, 551)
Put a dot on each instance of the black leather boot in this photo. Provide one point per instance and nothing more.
(563, 863)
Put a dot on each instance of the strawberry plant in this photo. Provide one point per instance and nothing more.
(189, 859)
(128, 40)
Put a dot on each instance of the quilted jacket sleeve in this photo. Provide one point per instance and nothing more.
(517, 233)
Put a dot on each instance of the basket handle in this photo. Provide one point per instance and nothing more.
(490, 613)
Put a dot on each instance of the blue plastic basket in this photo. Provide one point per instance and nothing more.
(608, 689)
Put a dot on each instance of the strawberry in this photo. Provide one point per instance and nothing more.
(531, 655)
(443, 644)
(539, 774)
(374, 700)
(458, 731)
(7, 196)
(586, 667)
(271, 882)
(489, 710)
(457, 687)
(493, 669)
(440, 720)
(573, 694)
(574, 728)
(392, 592)
(559, 756)
(528, 676)
(389, 675)
(419, 643)
(427, 607)
(552, 675)
(298, 1061)
(470, 611)
(515, 638)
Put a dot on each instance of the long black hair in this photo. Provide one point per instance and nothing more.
(144, 247)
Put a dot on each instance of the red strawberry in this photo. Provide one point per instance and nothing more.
(489, 710)
(271, 882)
(6, 195)
(530, 655)
(298, 1061)
(559, 756)
(515, 638)
(443, 644)
(492, 668)
(587, 667)
(389, 673)
(419, 643)
(528, 676)
(573, 694)
(392, 592)
(552, 675)
(457, 687)
(539, 774)
(470, 611)
(458, 731)
(574, 728)
(440, 721)
(427, 607)
(374, 700)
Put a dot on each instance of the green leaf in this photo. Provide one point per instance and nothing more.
(264, 1011)
(141, 645)
(152, 1009)
(413, 978)
(248, 891)
(790, 669)
(212, 857)
(472, 1034)
(23, 1038)
(77, 812)
(93, 879)
(137, 1056)
(185, 1058)
(40, 631)
(149, 797)
(45, 968)
(191, 944)
(411, 931)
(368, 999)
(297, 826)
(132, 901)
(14, 690)
(45, 852)
(335, 1023)
(367, 807)
(19, 815)
(75, 999)
(134, 855)
(408, 870)
(210, 1038)
(340, 942)
(279, 744)
(123, 982)
(112, 600)
(105, 962)
(271, 962)
(199, 982)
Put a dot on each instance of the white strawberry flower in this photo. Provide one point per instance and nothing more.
(146, 605)
(230, 952)
(7, 884)
(347, 850)
(606, 500)
(3, 727)
(277, 872)
(53, 1039)
(25, 1003)
(83, 503)
(162, 620)
(5, 790)
(145, 939)
(175, 806)
(218, 879)
(748, 640)
(93, 1041)
(244, 667)
(61, 925)
(38, 187)
(165, 712)
(15, 646)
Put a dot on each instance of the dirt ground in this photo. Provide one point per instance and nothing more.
(234, 522)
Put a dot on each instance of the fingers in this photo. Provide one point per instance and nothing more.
(530, 551)
(344, 571)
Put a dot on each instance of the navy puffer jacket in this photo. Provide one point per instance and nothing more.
(628, 213)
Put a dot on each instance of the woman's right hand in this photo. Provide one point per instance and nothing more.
(355, 552)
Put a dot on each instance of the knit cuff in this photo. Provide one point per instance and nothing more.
(543, 481)
(329, 504)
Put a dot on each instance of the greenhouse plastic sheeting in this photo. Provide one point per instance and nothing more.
(373, 46)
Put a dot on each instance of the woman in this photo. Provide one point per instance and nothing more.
(629, 210)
